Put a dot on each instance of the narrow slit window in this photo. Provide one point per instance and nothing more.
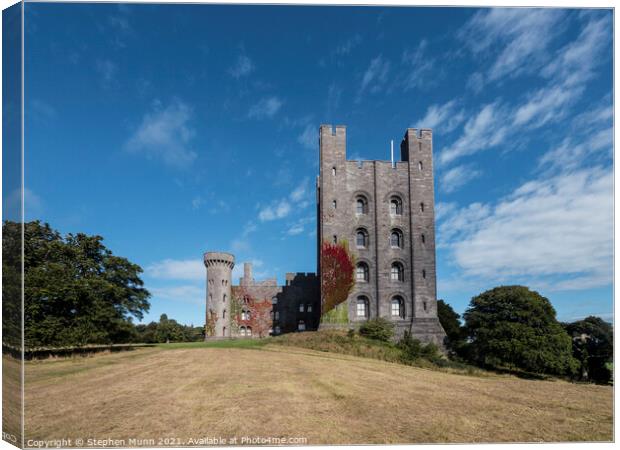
(423, 273)
(423, 239)
(334, 204)
(333, 171)
(420, 166)
(335, 239)
(422, 207)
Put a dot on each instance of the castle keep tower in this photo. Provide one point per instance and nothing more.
(385, 211)
(219, 290)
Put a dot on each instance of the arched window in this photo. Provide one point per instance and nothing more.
(361, 238)
(396, 239)
(361, 205)
(224, 298)
(396, 206)
(210, 298)
(361, 272)
(248, 331)
(277, 330)
(361, 309)
(397, 272)
(224, 314)
(397, 307)
(301, 307)
(335, 239)
(274, 300)
(420, 166)
(242, 331)
(301, 326)
(333, 171)
(334, 204)
(224, 331)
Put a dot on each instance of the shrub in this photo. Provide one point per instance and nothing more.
(380, 329)
(413, 350)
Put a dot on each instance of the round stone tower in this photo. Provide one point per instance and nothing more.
(219, 288)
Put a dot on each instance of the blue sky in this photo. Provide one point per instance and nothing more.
(175, 129)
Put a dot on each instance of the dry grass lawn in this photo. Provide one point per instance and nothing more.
(278, 391)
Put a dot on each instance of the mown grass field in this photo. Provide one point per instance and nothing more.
(261, 389)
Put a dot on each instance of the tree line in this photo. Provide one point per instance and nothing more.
(76, 292)
(513, 327)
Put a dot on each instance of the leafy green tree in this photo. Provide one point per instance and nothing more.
(514, 327)
(592, 347)
(379, 328)
(167, 330)
(450, 321)
(11, 284)
(77, 291)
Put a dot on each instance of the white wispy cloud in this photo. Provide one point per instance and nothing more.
(554, 232)
(175, 269)
(281, 208)
(242, 67)
(309, 137)
(485, 130)
(375, 76)
(107, 69)
(334, 94)
(545, 104)
(419, 66)
(276, 210)
(300, 225)
(197, 202)
(300, 192)
(443, 118)
(345, 47)
(265, 108)
(522, 35)
(165, 134)
(574, 64)
(458, 176)
(569, 71)
(566, 75)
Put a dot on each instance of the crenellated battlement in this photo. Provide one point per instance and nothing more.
(212, 259)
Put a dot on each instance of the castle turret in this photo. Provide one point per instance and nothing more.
(219, 289)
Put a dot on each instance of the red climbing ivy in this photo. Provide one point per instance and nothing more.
(260, 318)
(337, 270)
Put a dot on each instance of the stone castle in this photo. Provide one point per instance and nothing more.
(384, 210)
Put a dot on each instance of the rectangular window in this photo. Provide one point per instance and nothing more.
(395, 309)
(361, 309)
(309, 308)
(301, 308)
(277, 315)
